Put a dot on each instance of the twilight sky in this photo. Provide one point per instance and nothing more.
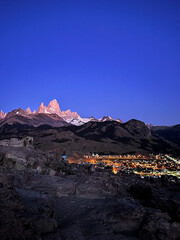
(97, 57)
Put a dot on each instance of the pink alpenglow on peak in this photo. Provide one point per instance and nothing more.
(28, 110)
(52, 110)
(69, 115)
(53, 107)
(42, 108)
(2, 115)
(67, 111)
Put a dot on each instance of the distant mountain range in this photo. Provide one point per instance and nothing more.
(50, 115)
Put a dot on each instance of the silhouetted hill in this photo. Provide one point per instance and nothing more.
(108, 137)
(171, 134)
(112, 130)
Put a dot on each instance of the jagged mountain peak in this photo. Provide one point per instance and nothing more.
(93, 118)
(18, 111)
(53, 102)
(41, 108)
(28, 110)
(106, 118)
(119, 120)
(2, 114)
(53, 107)
(42, 104)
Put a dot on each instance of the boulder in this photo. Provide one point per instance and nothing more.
(32, 162)
(13, 161)
(15, 142)
(27, 141)
(52, 172)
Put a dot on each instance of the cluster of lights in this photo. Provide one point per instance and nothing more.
(149, 165)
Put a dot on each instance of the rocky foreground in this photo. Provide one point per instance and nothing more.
(43, 197)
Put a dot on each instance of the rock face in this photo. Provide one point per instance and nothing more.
(20, 155)
(15, 142)
(43, 197)
(53, 107)
(69, 115)
(15, 222)
(42, 108)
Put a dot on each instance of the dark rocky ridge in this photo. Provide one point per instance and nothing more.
(19, 116)
(171, 134)
(42, 197)
(51, 132)
(108, 137)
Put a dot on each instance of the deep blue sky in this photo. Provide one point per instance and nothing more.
(97, 57)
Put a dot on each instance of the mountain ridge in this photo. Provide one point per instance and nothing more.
(54, 108)
(22, 117)
(109, 137)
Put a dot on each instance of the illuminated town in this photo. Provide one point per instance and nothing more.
(149, 165)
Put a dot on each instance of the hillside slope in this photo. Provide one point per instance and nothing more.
(99, 137)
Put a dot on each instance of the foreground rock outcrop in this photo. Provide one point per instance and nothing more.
(43, 197)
